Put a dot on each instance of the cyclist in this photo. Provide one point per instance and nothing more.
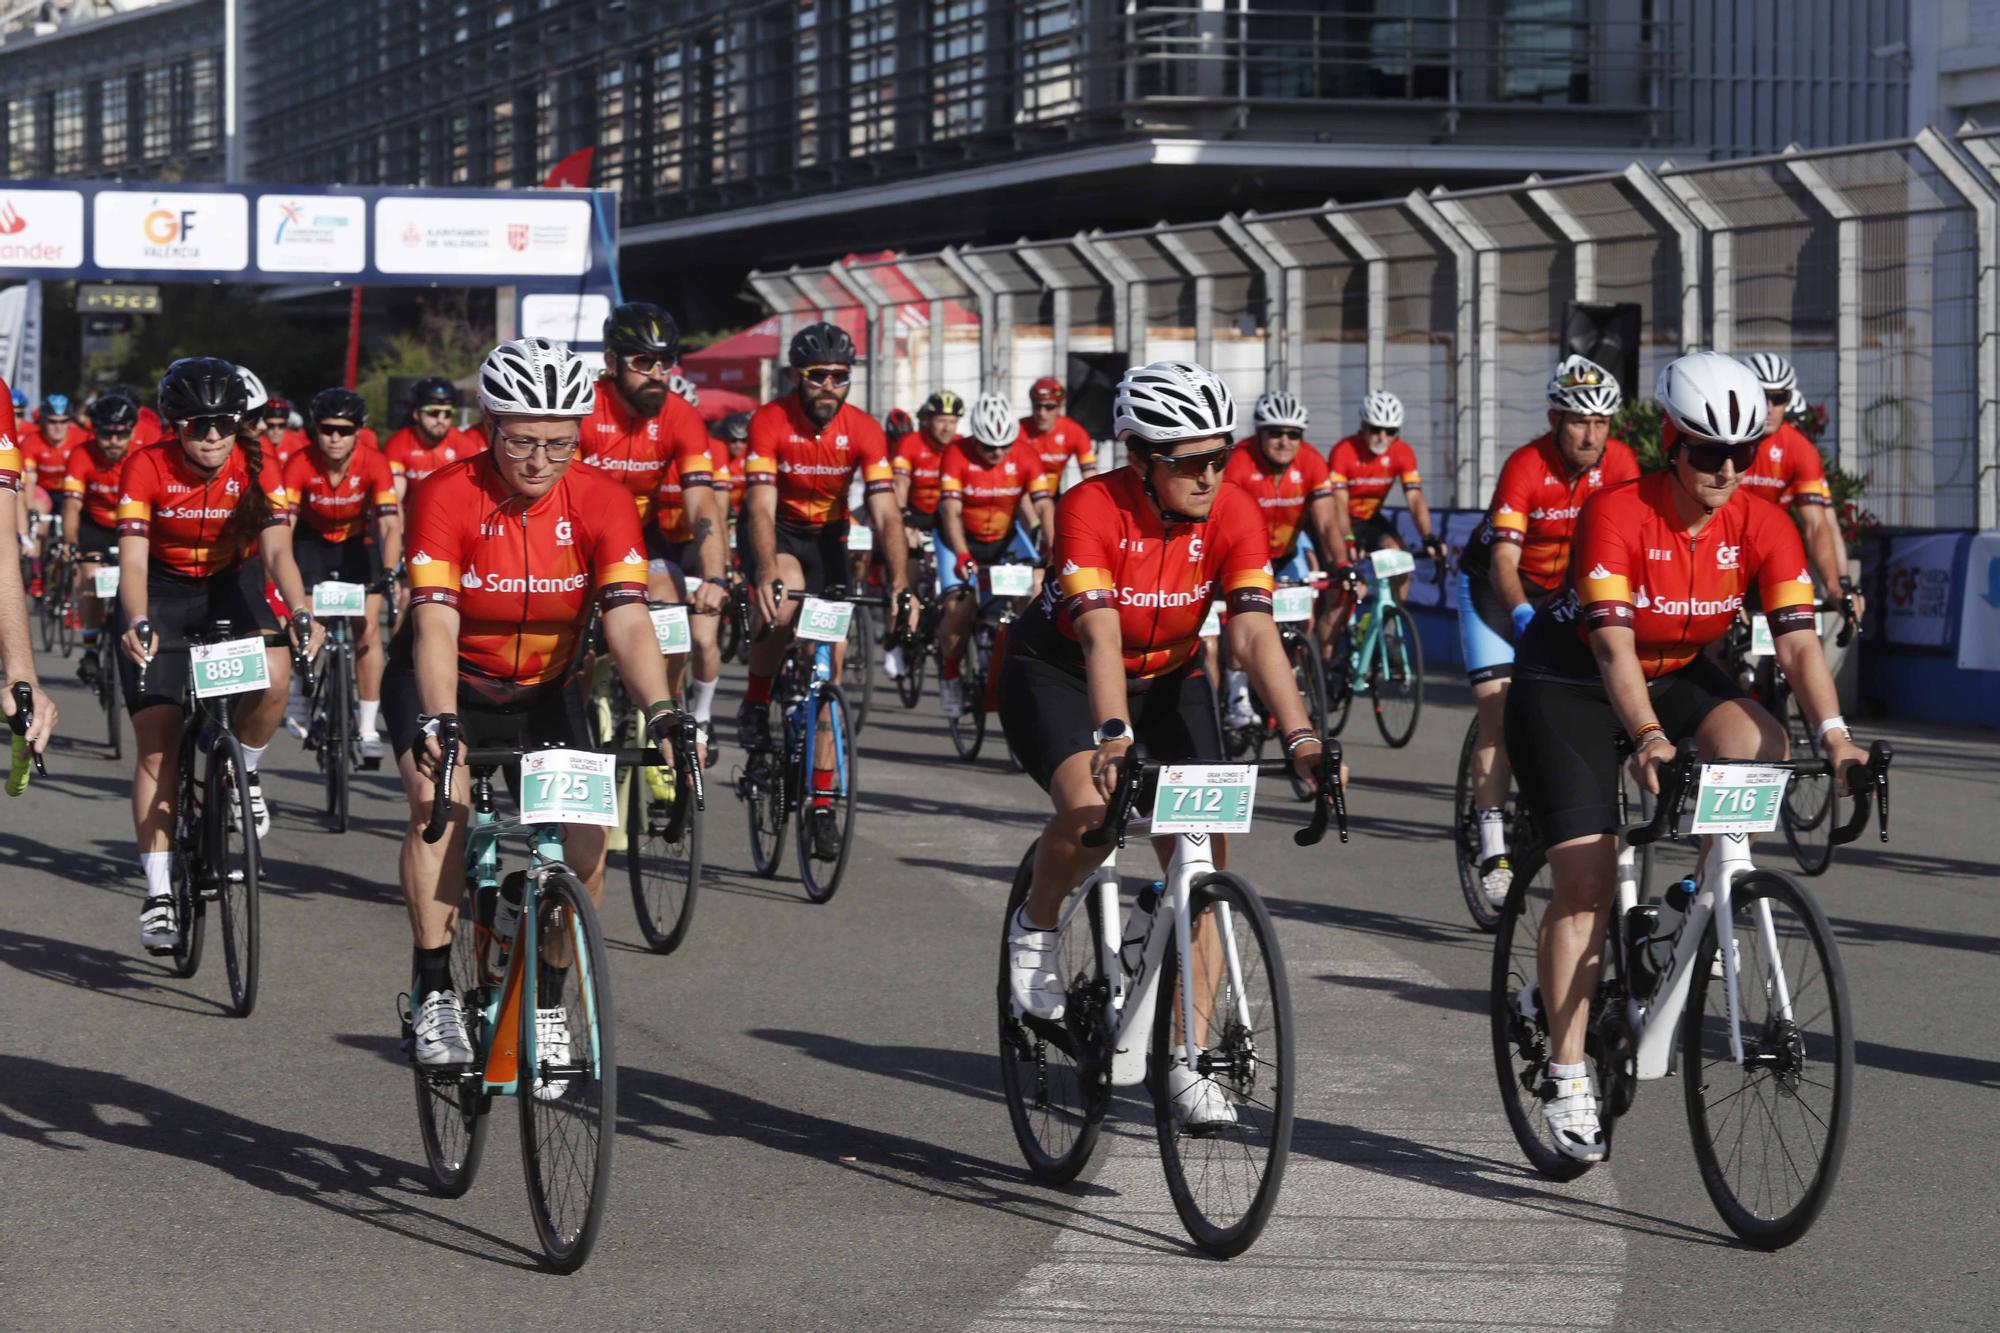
(1515, 561)
(90, 507)
(1365, 467)
(44, 448)
(282, 440)
(895, 425)
(917, 451)
(804, 449)
(341, 491)
(201, 523)
(1106, 654)
(734, 433)
(1054, 437)
(1789, 470)
(688, 514)
(1293, 489)
(430, 437)
(1658, 570)
(509, 550)
(986, 480)
(16, 653)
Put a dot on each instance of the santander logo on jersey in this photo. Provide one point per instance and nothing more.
(1154, 599)
(533, 583)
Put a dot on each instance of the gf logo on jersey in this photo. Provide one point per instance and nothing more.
(565, 534)
(1194, 551)
(1727, 557)
(1776, 453)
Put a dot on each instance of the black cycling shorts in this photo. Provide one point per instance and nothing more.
(553, 715)
(821, 552)
(1046, 714)
(178, 605)
(1562, 740)
(355, 560)
(919, 521)
(91, 537)
(1371, 534)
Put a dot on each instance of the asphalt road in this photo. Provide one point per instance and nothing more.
(811, 1133)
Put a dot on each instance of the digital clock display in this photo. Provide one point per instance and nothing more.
(118, 298)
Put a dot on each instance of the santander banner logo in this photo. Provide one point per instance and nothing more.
(41, 228)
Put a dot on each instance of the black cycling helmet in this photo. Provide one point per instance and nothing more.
(202, 386)
(942, 403)
(821, 345)
(345, 404)
(735, 426)
(113, 411)
(897, 424)
(640, 327)
(276, 409)
(433, 391)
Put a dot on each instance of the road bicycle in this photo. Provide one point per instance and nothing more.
(101, 670)
(921, 643)
(334, 733)
(1764, 1040)
(1215, 1003)
(662, 817)
(1377, 653)
(995, 612)
(1809, 820)
(556, 1052)
(58, 610)
(1292, 608)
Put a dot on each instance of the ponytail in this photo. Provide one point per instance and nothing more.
(253, 507)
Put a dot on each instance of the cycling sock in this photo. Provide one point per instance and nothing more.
(758, 691)
(701, 697)
(370, 709)
(432, 970)
(90, 638)
(252, 754)
(1577, 1070)
(823, 789)
(159, 868)
(1492, 833)
(950, 671)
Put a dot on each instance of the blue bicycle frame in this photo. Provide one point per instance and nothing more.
(802, 726)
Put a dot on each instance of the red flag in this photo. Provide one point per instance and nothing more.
(573, 171)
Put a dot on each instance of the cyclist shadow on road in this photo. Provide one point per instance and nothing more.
(97, 870)
(52, 1106)
(1368, 921)
(100, 971)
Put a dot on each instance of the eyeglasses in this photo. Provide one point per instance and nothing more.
(1707, 456)
(838, 377)
(444, 412)
(521, 448)
(1778, 399)
(114, 432)
(203, 427)
(338, 432)
(645, 364)
(1048, 404)
(1580, 379)
(1194, 465)
(1283, 433)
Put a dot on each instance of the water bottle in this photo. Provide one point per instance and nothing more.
(1139, 926)
(507, 918)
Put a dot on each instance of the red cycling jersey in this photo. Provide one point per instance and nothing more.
(1788, 469)
(48, 463)
(413, 457)
(811, 465)
(93, 478)
(521, 575)
(635, 450)
(988, 496)
(1367, 477)
(182, 515)
(1536, 503)
(1635, 567)
(1112, 550)
(337, 512)
(1282, 496)
(10, 443)
(1062, 441)
(684, 470)
(921, 461)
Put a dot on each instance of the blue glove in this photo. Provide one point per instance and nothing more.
(1522, 615)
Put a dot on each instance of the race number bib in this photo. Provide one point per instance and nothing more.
(339, 599)
(860, 538)
(1010, 580)
(824, 622)
(236, 667)
(670, 627)
(1738, 798)
(569, 787)
(1390, 564)
(1290, 605)
(104, 581)
(1204, 798)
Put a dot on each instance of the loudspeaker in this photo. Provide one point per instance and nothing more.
(1608, 333)
(1093, 387)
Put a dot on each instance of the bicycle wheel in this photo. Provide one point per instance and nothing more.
(1396, 678)
(451, 1107)
(968, 729)
(1807, 814)
(1465, 834)
(190, 813)
(858, 667)
(1339, 666)
(107, 695)
(337, 738)
(818, 871)
(1310, 677)
(1224, 1179)
(233, 872)
(1769, 1131)
(1056, 1075)
(48, 610)
(66, 626)
(1520, 1034)
(910, 685)
(569, 1090)
(663, 861)
(761, 788)
(729, 634)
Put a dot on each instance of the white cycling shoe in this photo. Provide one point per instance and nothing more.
(159, 929)
(441, 1038)
(1031, 972)
(1569, 1108)
(1496, 876)
(552, 1047)
(951, 699)
(1199, 1103)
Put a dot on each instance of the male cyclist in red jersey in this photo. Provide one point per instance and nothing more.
(918, 459)
(16, 652)
(1515, 561)
(44, 449)
(1056, 438)
(804, 450)
(281, 439)
(430, 438)
(732, 434)
(90, 509)
(1789, 470)
(510, 550)
(990, 483)
(201, 522)
(1658, 570)
(1107, 655)
(339, 492)
(1366, 466)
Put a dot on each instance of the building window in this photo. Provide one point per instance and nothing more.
(806, 54)
(548, 127)
(1544, 51)
(1050, 80)
(202, 105)
(21, 156)
(871, 77)
(613, 125)
(459, 127)
(502, 158)
(159, 113)
(669, 119)
(66, 121)
(958, 67)
(728, 73)
(111, 143)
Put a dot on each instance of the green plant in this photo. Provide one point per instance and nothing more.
(1638, 423)
(1855, 522)
(450, 339)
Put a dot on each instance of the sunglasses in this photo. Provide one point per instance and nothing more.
(57, 421)
(1194, 465)
(1703, 456)
(1282, 433)
(203, 427)
(338, 432)
(838, 377)
(646, 364)
(445, 412)
(1047, 404)
(520, 448)
(1778, 399)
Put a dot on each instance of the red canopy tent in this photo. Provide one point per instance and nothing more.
(716, 404)
(736, 363)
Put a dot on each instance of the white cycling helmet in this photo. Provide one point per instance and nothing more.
(1774, 372)
(533, 377)
(1169, 401)
(993, 422)
(684, 386)
(1710, 396)
(1382, 409)
(1583, 388)
(1796, 410)
(1276, 407)
(254, 387)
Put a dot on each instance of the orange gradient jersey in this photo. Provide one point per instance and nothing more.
(93, 479)
(1062, 441)
(812, 465)
(1282, 496)
(688, 469)
(1536, 502)
(522, 576)
(1635, 567)
(921, 461)
(1788, 469)
(635, 450)
(336, 511)
(989, 496)
(413, 457)
(182, 515)
(1113, 552)
(10, 443)
(1367, 478)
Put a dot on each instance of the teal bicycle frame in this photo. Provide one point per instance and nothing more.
(1364, 627)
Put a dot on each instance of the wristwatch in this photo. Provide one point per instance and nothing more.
(1117, 729)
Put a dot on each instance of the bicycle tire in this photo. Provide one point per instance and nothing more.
(1255, 1073)
(729, 634)
(48, 607)
(337, 740)
(1339, 667)
(1398, 641)
(588, 1097)
(1310, 676)
(858, 667)
(1520, 1040)
(1807, 811)
(452, 1111)
(762, 790)
(189, 834)
(237, 874)
(820, 886)
(107, 690)
(968, 729)
(1465, 834)
(1056, 1077)
(66, 637)
(664, 872)
(1775, 1049)
(910, 685)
